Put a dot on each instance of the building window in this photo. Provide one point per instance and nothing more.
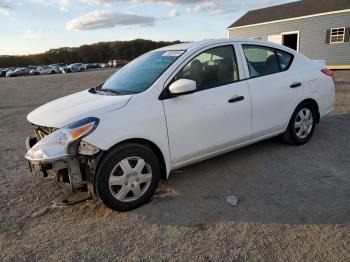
(337, 35)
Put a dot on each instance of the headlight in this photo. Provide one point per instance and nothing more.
(61, 143)
(79, 129)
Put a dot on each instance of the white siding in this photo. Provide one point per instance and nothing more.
(312, 36)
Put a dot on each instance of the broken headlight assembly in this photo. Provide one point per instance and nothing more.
(64, 143)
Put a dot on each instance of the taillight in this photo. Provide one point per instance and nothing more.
(328, 72)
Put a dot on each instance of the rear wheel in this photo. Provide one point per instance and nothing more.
(301, 126)
(127, 177)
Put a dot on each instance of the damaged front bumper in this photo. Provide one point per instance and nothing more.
(43, 159)
(74, 164)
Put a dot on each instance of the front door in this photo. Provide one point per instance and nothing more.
(217, 115)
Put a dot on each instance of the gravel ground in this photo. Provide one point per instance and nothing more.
(294, 202)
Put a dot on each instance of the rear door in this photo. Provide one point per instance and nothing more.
(274, 88)
(217, 115)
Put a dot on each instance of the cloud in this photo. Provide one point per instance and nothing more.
(216, 7)
(145, 1)
(173, 12)
(219, 7)
(64, 4)
(213, 7)
(102, 19)
(5, 8)
(204, 6)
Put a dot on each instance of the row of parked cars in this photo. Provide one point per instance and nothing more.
(49, 69)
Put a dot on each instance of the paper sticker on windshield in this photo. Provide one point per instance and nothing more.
(173, 53)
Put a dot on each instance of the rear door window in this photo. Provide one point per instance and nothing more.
(285, 59)
(261, 60)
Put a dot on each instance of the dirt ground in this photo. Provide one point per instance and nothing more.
(294, 202)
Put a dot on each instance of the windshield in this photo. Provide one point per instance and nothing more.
(141, 73)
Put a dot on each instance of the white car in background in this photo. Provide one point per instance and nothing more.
(74, 68)
(175, 106)
(103, 65)
(45, 70)
(17, 72)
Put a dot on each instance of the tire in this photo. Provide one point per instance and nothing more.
(305, 117)
(116, 182)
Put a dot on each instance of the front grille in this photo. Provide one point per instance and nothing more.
(42, 131)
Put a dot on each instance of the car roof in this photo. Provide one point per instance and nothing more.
(192, 46)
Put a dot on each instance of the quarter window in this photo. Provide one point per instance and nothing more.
(337, 35)
(261, 60)
(212, 68)
(284, 60)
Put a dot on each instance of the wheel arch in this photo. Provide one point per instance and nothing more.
(148, 143)
(314, 104)
(307, 101)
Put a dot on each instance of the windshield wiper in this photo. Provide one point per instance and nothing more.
(99, 86)
(108, 90)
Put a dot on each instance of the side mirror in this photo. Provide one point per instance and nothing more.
(182, 86)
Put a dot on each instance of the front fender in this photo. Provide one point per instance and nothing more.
(142, 118)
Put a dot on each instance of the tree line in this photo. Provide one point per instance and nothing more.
(99, 52)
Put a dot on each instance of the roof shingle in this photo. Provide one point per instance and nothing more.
(291, 10)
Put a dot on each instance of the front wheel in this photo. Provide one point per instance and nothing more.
(301, 126)
(127, 177)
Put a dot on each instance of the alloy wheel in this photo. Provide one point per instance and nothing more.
(303, 123)
(130, 179)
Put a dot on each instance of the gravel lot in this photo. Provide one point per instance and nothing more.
(294, 202)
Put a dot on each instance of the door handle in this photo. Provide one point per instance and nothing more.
(295, 85)
(236, 99)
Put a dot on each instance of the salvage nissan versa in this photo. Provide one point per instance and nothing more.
(175, 106)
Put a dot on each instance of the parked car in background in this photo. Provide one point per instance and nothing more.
(45, 70)
(103, 65)
(119, 63)
(34, 72)
(63, 69)
(57, 65)
(175, 106)
(3, 71)
(91, 66)
(73, 68)
(31, 67)
(17, 72)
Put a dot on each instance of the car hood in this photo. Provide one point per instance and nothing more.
(69, 109)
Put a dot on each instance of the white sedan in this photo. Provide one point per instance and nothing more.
(175, 106)
(44, 70)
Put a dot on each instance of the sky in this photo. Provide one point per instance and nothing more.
(35, 26)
